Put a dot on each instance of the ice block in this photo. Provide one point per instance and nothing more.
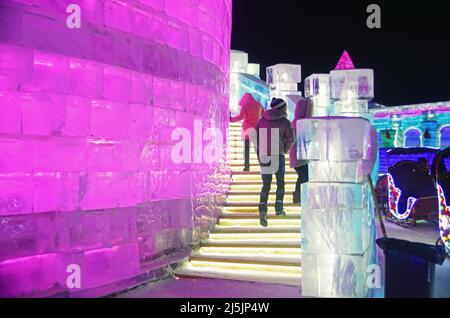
(336, 230)
(352, 84)
(284, 87)
(325, 195)
(340, 171)
(239, 62)
(317, 85)
(333, 139)
(253, 69)
(335, 275)
(353, 106)
(284, 73)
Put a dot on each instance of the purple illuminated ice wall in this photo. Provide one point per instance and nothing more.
(86, 116)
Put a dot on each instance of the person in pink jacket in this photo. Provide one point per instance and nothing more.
(302, 110)
(251, 112)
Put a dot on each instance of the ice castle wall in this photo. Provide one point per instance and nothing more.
(86, 115)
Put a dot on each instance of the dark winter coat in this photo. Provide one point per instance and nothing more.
(274, 119)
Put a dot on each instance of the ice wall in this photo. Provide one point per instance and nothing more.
(86, 116)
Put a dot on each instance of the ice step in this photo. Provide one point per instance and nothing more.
(255, 198)
(254, 240)
(254, 209)
(250, 184)
(275, 274)
(256, 202)
(278, 225)
(256, 178)
(250, 254)
(255, 189)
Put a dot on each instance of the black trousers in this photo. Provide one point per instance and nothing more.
(267, 182)
(303, 177)
(247, 153)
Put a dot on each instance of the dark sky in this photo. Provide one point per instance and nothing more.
(410, 54)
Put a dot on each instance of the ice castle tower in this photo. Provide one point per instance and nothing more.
(337, 212)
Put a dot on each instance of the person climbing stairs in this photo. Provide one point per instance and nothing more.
(238, 248)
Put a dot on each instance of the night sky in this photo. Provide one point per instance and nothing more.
(410, 53)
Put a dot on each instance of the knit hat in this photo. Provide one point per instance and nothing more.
(277, 103)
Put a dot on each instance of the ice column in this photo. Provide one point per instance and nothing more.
(338, 227)
(283, 80)
(317, 90)
(337, 216)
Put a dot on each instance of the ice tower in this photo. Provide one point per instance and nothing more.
(337, 212)
(351, 89)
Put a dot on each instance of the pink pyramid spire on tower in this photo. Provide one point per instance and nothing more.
(345, 62)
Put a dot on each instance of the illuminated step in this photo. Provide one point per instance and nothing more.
(276, 225)
(254, 239)
(255, 203)
(246, 184)
(250, 254)
(256, 169)
(244, 223)
(256, 177)
(276, 274)
(235, 162)
(255, 197)
(288, 172)
(255, 215)
(290, 210)
(256, 188)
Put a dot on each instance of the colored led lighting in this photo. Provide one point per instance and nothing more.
(394, 194)
(444, 218)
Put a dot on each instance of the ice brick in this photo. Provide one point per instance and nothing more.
(239, 62)
(253, 69)
(331, 196)
(16, 64)
(284, 87)
(352, 84)
(330, 171)
(335, 275)
(26, 275)
(85, 78)
(103, 266)
(27, 234)
(317, 85)
(333, 139)
(351, 106)
(55, 192)
(318, 111)
(42, 113)
(10, 113)
(368, 116)
(320, 101)
(16, 194)
(50, 74)
(338, 230)
(284, 73)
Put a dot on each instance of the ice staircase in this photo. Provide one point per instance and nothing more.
(238, 248)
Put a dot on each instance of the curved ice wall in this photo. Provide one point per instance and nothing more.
(86, 117)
